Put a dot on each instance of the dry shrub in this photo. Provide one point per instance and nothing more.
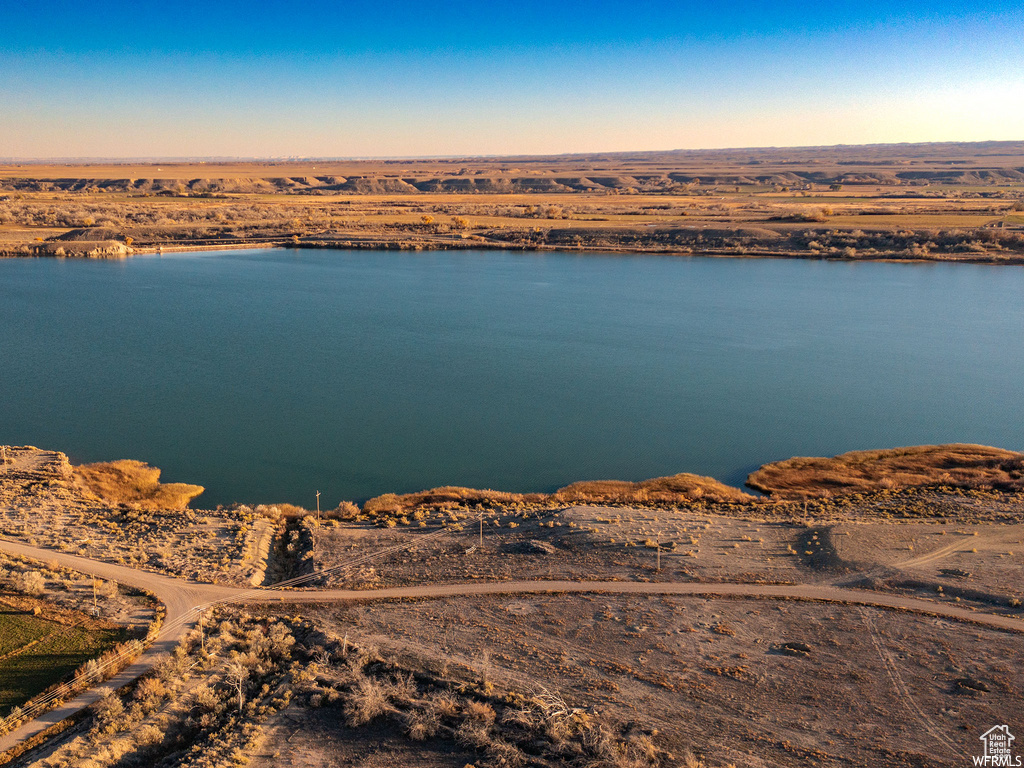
(386, 504)
(473, 733)
(523, 717)
(290, 510)
(346, 510)
(109, 712)
(367, 701)
(956, 464)
(444, 704)
(674, 489)
(480, 712)
(150, 694)
(502, 753)
(402, 689)
(134, 482)
(205, 699)
(421, 724)
(30, 583)
(148, 735)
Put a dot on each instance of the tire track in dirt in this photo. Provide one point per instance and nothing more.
(905, 695)
(943, 552)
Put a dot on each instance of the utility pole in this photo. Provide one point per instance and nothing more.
(95, 608)
(658, 542)
(318, 507)
(481, 529)
(202, 634)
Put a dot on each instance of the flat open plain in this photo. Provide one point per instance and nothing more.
(911, 201)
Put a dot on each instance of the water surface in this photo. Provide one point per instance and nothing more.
(266, 375)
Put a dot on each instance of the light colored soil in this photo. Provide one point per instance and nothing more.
(571, 601)
(42, 503)
(876, 689)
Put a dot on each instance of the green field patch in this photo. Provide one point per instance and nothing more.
(18, 627)
(52, 651)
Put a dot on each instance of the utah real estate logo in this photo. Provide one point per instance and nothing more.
(998, 743)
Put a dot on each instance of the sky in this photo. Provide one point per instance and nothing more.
(404, 79)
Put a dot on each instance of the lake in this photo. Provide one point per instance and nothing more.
(266, 375)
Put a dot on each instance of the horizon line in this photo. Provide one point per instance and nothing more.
(97, 159)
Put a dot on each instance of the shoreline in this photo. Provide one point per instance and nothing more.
(117, 250)
(953, 467)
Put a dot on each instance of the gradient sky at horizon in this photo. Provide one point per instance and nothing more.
(355, 79)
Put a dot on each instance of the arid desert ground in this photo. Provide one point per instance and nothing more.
(866, 611)
(943, 201)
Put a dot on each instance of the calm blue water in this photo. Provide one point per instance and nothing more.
(266, 375)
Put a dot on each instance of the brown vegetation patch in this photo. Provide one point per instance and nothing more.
(955, 464)
(390, 503)
(659, 490)
(134, 482)
(676, 489)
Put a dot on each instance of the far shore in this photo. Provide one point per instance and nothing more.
(915, 203)
(117, 250)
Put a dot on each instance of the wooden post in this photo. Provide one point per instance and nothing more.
(95, 608)
(658, 547)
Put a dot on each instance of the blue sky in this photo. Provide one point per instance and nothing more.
(400, 78)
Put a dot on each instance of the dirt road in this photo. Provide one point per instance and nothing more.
(178, 596)
(181, 599)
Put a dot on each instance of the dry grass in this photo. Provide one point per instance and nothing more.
(659, 491)
(957, 464)
(958, 203)
(391, 503)
(674, 489)
(134, 482)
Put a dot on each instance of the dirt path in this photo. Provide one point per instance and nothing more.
(966, 544)
(819, 593)
(181, 598)
(178, 596)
